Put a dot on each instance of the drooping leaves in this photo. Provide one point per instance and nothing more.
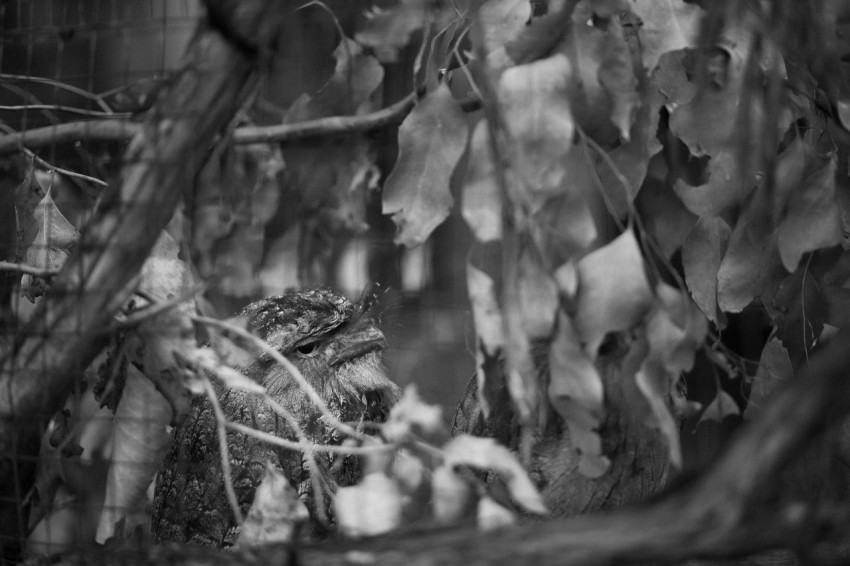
(813, 220)
(722, 406)
(774, 368)
(389, 29)
(748, 262)
(139, 440)
(275, 512)
(540, 124)
(538, 296)
(674, 330)
(431, 140)
(702, 253)
(576, 393)
(372, 507)
(486, 454)
(53, 243)
(603, 94)
(668, 25)
(613, 293)
(482, 201)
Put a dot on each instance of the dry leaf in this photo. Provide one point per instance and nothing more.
(431, 140)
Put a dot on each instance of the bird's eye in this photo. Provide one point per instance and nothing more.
(308, 348)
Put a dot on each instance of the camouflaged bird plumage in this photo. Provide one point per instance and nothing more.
(338, 348)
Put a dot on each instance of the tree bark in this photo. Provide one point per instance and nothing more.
(160, 164)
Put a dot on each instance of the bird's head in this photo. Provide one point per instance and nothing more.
(333, 342)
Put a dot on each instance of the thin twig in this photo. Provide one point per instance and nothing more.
(58, 84)
(28, 269)
(296, 374)
(137, 317)
(293, 445)
(63, 108)
(224, 452)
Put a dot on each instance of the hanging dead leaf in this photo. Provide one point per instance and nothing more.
(721, 407)
(499, 23)
(675, 328)
(387, 30)
(454, 499)
(749, 262)
(540, 125)
(431, 140)
(411, 415)
(53, 243)
(613, 294)
(372, 507)
(139, 440)
(275, 513)
(576, 393)
(355, 77)
(701, 256)
(653, 381)
(491, 515)
(565, 225)
(668, 25)
(482, 201)
(603, 94)
(774, 368)
(538, 296)
(665, 218)
(813, 220)
(486, 454)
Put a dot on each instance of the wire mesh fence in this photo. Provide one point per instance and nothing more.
(78, 79)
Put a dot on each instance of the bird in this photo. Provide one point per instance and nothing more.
(338, 347)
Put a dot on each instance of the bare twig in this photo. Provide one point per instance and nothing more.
(223, 450)
(63, 108)
(7, 77)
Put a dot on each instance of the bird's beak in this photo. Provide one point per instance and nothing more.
(358, 343)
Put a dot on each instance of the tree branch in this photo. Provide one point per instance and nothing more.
(120, 130)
